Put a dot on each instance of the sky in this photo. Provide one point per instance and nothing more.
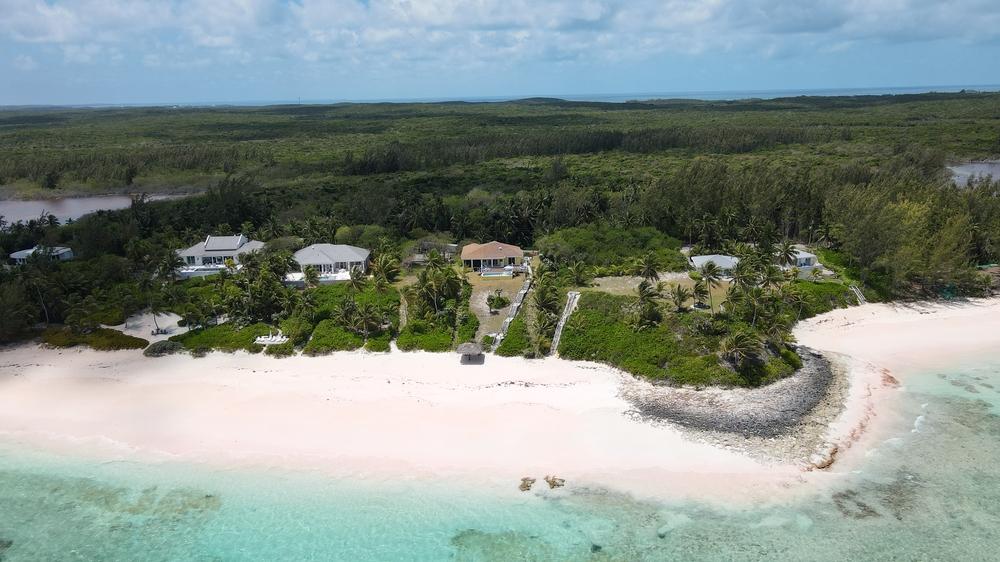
(214, 51)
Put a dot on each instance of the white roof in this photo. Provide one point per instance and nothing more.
(317, 254)
(52, 251)
(222, 245)
(720, 261)
(803, 254)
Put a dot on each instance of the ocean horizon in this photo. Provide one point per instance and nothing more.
(704, 95)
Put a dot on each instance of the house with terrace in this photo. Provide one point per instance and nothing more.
(333, 262)
(55, 253)
(209, 256)
(492, 257)
(805, 262)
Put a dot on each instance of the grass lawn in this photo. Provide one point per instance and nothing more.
(626, 286)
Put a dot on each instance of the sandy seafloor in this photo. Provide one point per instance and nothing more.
(118, 457)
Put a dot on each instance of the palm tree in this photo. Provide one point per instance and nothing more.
(786, 253)
(367, 318)
(743, 275)
(700, 292)
(711, 275)
(357, 282)
(435, 260)
(310, 275)
(773, 276)
(740, 347)
(646, 267)
(386, 267)
(679, 295)
(579, 274)
(646, 292)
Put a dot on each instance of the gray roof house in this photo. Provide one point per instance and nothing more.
(58, 253)
(726, 263)
(209, 257)
(333, 262)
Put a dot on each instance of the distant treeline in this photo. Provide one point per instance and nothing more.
(120, 166)
(397, 157)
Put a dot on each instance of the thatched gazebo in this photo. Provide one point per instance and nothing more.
(470, 352)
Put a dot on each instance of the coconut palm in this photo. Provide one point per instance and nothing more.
(700, 292)
(647, 266)
(357, 282)
(647, 292)
(385, 266)
(311, 276)
(773, 276)
(712, 276)
(743, 275)
(740, 347)
(679, 295)
(579, 274)
(785, 253)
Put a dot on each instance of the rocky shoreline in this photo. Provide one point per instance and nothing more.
(787, 420)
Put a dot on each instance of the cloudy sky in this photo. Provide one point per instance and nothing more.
(174, 51)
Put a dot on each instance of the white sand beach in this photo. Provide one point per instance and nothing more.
(417, 415)
(397, 415)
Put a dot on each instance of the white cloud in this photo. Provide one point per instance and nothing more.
(460, 33)
(25, 62)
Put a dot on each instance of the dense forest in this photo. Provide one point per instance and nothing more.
(863, 177)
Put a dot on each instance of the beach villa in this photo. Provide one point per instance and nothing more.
(725, 263)
(333, 262)
(209, 257)
(57, 253)
(491, 255)
(806, 262)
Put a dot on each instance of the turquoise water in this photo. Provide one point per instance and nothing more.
(930, 492)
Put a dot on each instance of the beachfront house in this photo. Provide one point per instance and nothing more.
(806, 263)
(492, 255)
(209, 256)
(726, 264)
(333, 262)
(55, 253)
(805, 260)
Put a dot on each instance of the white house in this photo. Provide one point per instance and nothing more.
(209, 257)
(333, 262)
(726, 264)
(56, 253)
(806, 262)
(804, 259)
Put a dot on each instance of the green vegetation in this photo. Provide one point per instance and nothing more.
(101, 339)
(425, 336)
(329, 336)
(224, 337)
(602, 189)
(605, 245)
(163, 348)
(516, 342)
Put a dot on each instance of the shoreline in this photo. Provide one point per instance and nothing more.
(404, 416)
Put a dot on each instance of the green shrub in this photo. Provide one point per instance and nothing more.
(329, 337)
(379, 344)
(330, 297)
(298, 330)
(161, 348)
(281, 350)
(516, 342)
(224, 337)
(610, 247)
(467, 328)
(487, 341)
(101, 339)
(420, 335)
(823, 296)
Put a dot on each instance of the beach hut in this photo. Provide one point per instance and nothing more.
(470, 352)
